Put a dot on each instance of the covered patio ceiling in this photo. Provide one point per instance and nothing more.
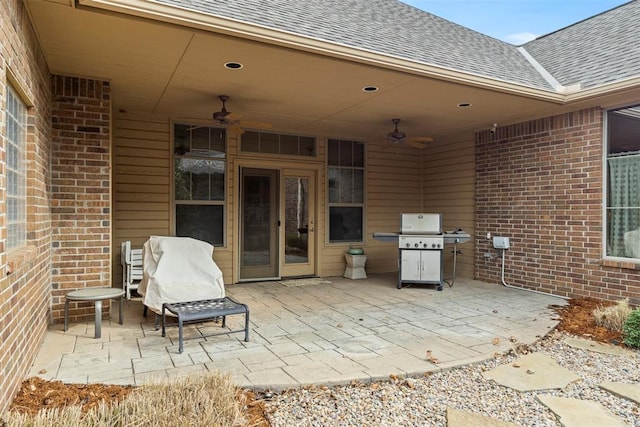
(156, 66)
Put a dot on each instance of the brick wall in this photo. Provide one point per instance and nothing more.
(540, 183)
(80, 191)
(25, 292)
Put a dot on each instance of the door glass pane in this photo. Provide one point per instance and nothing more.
(256, 217)
(296, 220)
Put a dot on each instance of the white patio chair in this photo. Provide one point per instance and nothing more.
(131, 268)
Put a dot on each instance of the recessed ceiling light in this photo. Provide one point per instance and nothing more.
(233, 65)
(464, 105)
(370, 88)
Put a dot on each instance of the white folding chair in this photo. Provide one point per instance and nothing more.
(131, 260)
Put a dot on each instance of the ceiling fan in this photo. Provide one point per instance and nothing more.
(232, 120)
(226, 118)
(398, 137)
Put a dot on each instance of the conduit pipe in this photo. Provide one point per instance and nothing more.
(504, 283)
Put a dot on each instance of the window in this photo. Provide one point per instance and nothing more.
(16, 192)
(346, 191)
(623, 183)
(199, 182)
(273, 143)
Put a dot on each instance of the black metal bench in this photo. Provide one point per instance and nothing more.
(205, 310)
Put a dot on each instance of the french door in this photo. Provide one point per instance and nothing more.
(277, 223)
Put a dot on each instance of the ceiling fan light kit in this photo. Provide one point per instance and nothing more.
(232, 121)
(221, 115)
(398, 137)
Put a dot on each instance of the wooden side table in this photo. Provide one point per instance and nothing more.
(355, 266)
(96, 295)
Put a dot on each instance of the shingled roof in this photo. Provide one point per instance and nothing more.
(594, 51)
(598, 50)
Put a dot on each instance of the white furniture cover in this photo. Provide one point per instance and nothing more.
(178, 269)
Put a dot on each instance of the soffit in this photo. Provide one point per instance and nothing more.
(175, 71)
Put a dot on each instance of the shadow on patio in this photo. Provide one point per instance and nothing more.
(327, 333)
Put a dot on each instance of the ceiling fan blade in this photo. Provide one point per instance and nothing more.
(419, 141)
(235, 129)
(422, 139)
(232, 117)
(253, 125)
(416, 144)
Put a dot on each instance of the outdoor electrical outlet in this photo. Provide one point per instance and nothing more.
(501, 242)
(488, 236)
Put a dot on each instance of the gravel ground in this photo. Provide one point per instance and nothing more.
(423, 401)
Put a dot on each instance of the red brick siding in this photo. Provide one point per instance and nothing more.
(25, 293)
(80, 191)
(540, 183)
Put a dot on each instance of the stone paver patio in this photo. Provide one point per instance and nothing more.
(329, 333)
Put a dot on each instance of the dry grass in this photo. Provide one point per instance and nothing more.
(205, 400)
(613, 316)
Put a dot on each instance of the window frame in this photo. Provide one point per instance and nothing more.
(17, 120)
(606, 208)
(278, 138)
(223, 202)
(362, 205)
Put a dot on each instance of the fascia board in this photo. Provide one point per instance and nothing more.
(605, 89)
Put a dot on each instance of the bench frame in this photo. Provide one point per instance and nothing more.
(205, 310)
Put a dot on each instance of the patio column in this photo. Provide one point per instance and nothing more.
(80, 191)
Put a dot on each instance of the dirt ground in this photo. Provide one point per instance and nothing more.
(35, 393)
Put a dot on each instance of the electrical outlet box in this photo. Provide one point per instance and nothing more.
(501, 242)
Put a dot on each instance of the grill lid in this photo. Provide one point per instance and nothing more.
(421, 223)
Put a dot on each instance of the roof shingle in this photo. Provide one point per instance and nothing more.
(602, 49)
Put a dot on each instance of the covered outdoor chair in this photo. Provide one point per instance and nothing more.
(178, 269)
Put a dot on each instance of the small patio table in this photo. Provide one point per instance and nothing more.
(97, 295)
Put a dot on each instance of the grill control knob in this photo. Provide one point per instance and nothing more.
(408, 245)
(416, 245)
(425, 245)
(433, 245)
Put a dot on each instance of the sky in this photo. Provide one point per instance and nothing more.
(515, 21)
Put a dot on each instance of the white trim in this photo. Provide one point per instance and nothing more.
(546, 75)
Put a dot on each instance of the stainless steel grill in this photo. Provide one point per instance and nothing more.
(420, 243)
